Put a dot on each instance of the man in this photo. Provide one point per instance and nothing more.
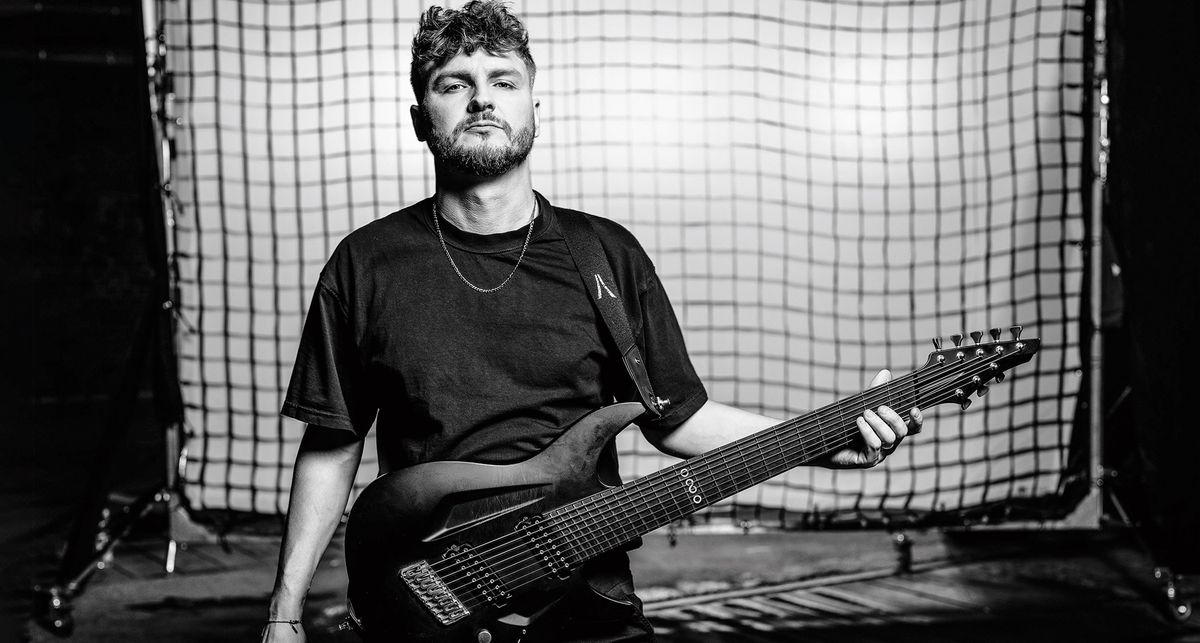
(461, 328)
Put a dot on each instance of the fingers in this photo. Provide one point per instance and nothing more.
(894, 422)
(882, 429)
(874, 442)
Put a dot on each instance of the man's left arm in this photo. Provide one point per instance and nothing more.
(715, 424)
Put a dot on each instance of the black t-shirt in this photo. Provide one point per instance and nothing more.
(395, 337)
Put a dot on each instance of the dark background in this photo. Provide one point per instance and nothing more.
(1154, 222)
(82, 281)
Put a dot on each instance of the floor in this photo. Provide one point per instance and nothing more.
(722, 588)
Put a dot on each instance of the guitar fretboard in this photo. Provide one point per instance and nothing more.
(611, 518)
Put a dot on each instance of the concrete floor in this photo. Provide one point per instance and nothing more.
(733, 587)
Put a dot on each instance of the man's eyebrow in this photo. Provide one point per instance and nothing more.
(466, 76)
(457, 75)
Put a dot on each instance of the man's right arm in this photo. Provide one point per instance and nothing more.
(321, 481)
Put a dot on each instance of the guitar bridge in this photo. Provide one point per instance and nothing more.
(434, 594)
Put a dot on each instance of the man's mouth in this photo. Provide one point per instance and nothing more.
(484, 125)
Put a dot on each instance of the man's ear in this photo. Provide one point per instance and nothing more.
(420, 125)
(537, 117)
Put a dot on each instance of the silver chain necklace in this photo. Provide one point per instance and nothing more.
(528, 236)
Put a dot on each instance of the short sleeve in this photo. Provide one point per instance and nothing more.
(670, 369)
(328, 386)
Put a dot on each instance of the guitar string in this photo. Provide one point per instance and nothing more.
(817, 416)
(566, 511)
(539, 573)
(791, 450)
(647, 484)
(786, 445)
(624, 514)
(560, 515)
(604, 515)
(563, 511)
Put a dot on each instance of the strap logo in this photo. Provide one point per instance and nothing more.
(601, 285)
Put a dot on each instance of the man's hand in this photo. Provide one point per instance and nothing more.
(283, 633)
(881, 429)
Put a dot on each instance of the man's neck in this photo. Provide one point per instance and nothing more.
(486, 206)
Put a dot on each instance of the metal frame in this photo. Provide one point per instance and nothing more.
(181, 529)
(1091, 508)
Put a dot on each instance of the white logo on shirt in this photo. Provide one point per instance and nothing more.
(600, 293)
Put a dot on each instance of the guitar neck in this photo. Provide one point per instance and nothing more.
(608, 519)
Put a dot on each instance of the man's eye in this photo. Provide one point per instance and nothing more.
(505, 84)
(453, 87)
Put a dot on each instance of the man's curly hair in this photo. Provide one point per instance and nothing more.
(443, 33)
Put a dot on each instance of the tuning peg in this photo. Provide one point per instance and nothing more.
(976, 336)
(983, 389)
(1016, 332)
(937, 343)
(995, 333)
(964, 400)
(957, 339)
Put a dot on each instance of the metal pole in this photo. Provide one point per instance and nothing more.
(165, 122)
(1096, 242)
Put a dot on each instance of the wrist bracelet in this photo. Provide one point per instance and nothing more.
(291, 623)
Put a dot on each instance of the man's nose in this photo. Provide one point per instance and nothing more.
(482, 100)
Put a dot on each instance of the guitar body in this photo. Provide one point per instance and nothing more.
(419, 514)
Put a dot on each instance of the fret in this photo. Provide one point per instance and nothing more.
(588, 536)
(844, 411)
(783, 463)
(725, 481)
(742, 480)
(762, 470)
(702, 472)
(709, 477)
(627, 526)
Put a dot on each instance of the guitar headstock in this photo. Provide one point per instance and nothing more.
(953, 373)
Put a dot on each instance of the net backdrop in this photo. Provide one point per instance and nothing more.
(823, 185)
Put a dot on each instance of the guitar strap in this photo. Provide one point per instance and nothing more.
(596, 272)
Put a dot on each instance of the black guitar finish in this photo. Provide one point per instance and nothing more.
(422, 512)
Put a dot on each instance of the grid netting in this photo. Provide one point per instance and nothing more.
(824, 186)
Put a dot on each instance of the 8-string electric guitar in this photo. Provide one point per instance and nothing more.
(458, 551)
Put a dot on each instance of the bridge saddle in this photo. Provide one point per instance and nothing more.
(434, 594)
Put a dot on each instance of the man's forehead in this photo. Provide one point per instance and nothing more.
(480, 58)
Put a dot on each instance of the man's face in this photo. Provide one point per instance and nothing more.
(479, 115)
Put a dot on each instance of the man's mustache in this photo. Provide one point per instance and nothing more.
(472, 120)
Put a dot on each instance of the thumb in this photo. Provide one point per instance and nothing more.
(880, 377)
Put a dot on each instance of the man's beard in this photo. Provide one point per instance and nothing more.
(484, 159)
